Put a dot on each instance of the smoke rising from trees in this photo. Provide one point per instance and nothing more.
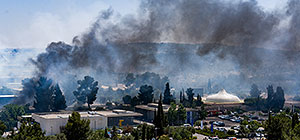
(237, 33)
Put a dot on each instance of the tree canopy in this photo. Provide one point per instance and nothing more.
(77, 129)
(59, 101)
(168, 98)
(43, 95)
(145, 94)
(48, 97)
(9, 114)
(86, 91)
(30, 131)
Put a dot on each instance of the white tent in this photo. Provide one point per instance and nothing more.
(222, 97)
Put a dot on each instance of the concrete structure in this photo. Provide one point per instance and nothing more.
(222, 97)
(148, 112)
(52, 123)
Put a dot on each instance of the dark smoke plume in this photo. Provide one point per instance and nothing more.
(237, 32)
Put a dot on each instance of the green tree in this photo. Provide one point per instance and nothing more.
(106, 133)
(278, 127)
(275, 101)
(160, 119)
(10, 113)
(199, 100)
(43, 96)
(30, 131)
(202, 113)
(244, 131)
(77, 129)
(127, 99)
(114, 134)
(172, 114)
(254, 92)
(295, 120)
(190, 95)
(135, 101)
(168, 98)
(86, 91)
(146, 94)
(144, 126)
(135, 134)
(2, 127)
(59, 101)
(181, 113)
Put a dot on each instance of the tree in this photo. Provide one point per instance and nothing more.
(106, 134)
(77, 129)
(279, 98)
(159, 118)
(114, 134)
(295, 120)
(59, 101)
(2, 127)
(275, 101)
(30, 131)
(127, 99)
(135, 134)
(181, 97)
(254, 92)
(199, 101)
(135, 101)
(244, 131)
(86, 91)
(202, 113)
(10, 113)
(43, 96)
(168, 98)
(146, 94)
(181, 113)
(144, 126)
(278, 127)
(190, 95)
(172, 114)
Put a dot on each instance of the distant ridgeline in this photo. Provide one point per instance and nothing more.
(7, 95)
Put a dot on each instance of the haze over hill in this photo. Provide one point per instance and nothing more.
(233, 43)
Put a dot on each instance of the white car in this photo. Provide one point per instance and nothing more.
(186, 125)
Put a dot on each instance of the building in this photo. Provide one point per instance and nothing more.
(52, 123)
(222, 97)
(149, 109)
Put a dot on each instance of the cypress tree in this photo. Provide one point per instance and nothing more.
(59, 101)
(295, 120)
(168, 98)
(160, 120)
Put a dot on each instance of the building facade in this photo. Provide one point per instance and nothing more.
(53, 123)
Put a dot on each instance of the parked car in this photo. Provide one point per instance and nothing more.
(186, 125)
(214, 138)
(232, 138)
(220, 124)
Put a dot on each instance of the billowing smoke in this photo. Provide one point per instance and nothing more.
(240, 33)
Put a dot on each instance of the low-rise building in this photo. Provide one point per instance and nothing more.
(52, 123)
(149, 109)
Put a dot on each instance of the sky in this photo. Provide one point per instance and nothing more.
(36, 23)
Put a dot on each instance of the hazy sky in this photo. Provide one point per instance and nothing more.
(36, 23)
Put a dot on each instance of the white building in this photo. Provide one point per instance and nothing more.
(52, 123)
(222, 97)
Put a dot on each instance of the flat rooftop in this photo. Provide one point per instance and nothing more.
(154, 106)
(90, 114)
